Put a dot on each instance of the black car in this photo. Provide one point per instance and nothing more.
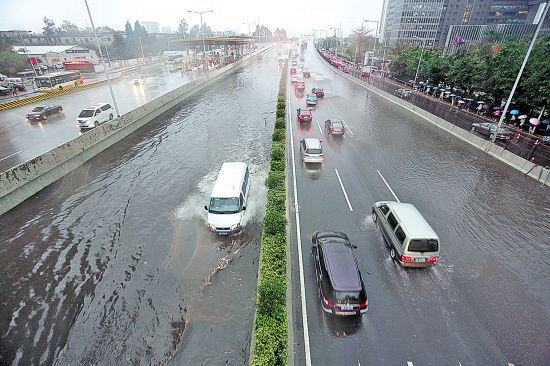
(304, 115)
(319, 92)
(5, 91)
(43, 112)
(340, 284)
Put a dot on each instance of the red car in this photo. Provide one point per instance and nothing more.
(307, 74)
(319, 92)
(304, 115)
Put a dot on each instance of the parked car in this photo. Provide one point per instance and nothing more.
(304, 115)
(403, 92)
(300, 84)
(43, 112)
(95, 115)
(311, 99)
(334, 127)
(412, 241)
(294, 62)
(307, 74)
(340, 285)
(13, 83)
(292, 70)
(5, 91)
(489, 128)
(319, 92)
(311, 150)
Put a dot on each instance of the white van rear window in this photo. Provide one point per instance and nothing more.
(424, 245)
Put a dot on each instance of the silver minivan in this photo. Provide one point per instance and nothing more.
(311, 150)
(412, 241)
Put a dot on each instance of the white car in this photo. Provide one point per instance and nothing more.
(95, 115)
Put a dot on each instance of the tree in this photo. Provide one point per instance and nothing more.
(194, 32)
(11, 62)
(49, 29)
(69, 28)
(360, 41)
(183, 29)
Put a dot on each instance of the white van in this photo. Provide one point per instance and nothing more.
(228, 198)
(95, 115)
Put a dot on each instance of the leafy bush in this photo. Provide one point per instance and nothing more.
(281, 105)
(275, 223)
(275, 179)
(280, 113)
(281, 98)
(277, 152)
(270, 346)
(280, 122)
(279, 134)
(271, 295)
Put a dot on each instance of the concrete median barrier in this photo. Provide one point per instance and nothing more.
(540, 173)
(21, 182)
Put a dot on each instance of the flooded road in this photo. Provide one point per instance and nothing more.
(485, 302)
(114, 264)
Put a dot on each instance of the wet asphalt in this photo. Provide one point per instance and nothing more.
(113, 264)
(486, 302)
(22, 140)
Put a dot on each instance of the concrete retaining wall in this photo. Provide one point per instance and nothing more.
(524, 166)
(24, 180)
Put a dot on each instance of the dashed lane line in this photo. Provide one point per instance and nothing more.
(299, 244)
(320, 129)
(387, 185)
(347, 127)
(343, 190)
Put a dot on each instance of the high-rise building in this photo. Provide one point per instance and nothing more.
(151, 27)
(430, 21)
(166, 29)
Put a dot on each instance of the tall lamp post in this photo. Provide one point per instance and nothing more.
(107, 51)
(27, 52)
(334, 29)
(141, 46)
(419, 61)
(203, 44)
(102, 60)
(375, 34)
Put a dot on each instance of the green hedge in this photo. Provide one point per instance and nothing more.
(271, 322)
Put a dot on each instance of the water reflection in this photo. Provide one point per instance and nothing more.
(313, 170)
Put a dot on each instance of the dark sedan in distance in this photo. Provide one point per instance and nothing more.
(42, 112)
(489, 128)
(340, 284)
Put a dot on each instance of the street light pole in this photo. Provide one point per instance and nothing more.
(102, 61)
(375, 35)
(142, 54)
(107, 51)
(419, 61)
(27, 51)
(203, 43)
(520, 72)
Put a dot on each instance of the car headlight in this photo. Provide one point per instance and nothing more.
(234, 227)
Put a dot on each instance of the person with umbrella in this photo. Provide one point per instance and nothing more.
(522, 119)
(479, 107)
(514, 113)
(534, 123)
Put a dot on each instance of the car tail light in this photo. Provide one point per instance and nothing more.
(405, 258)
(343, 128)
(434, 259)
(328, 303)
(321, 155)
(331, 129)
(363, 304)
(306, 155)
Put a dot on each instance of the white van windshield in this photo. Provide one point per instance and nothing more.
(424, 245)
(224, 205)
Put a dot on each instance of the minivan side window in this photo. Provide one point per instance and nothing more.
(245, 181)
(392, 221)
(400, 234)
(384, 209)
(241, 201)
(105, 107)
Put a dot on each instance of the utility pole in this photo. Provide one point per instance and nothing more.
(203, 44)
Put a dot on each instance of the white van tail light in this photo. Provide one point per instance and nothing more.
(434, 259)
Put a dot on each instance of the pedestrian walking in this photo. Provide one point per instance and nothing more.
(479, 108)
(13, 91)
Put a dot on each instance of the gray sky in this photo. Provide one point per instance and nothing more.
(296, 17)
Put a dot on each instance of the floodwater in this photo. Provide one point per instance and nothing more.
(113, 264)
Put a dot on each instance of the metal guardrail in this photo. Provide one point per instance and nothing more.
(522, 144)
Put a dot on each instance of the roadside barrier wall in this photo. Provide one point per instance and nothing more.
(21, 182)
(525, 166)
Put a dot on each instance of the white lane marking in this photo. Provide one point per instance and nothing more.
(409, 363)
(343, 190)
(299, 244)
(387, 185)
(9, 156)
(347, 127)
(358, 363)
(510, 364)
(319, 126)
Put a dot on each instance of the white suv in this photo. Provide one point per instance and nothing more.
(95, 115)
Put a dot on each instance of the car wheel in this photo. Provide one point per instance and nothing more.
(473, 129)
(44, 117)
(392, 253)
(110, 116)
(60, 109)
(374, 217)
(492, 136)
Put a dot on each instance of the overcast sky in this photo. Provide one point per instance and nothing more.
(296, 17)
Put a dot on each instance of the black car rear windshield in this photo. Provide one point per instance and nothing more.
(424, 245)
(342, 296)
